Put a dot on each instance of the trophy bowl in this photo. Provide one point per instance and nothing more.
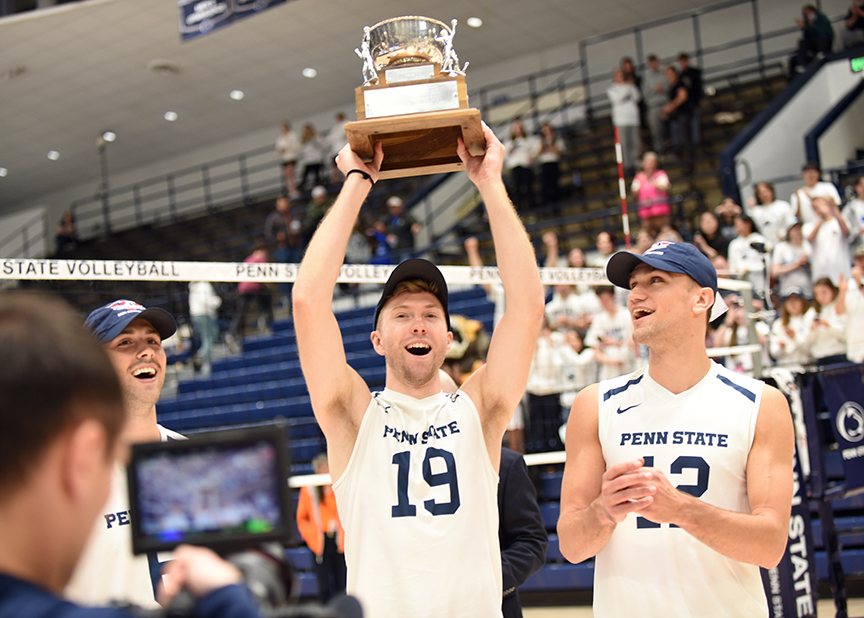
(406, 40)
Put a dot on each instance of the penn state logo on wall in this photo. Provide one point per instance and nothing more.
(850, 422)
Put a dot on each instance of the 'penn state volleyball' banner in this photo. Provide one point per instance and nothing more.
(199, 17)
(844, 397)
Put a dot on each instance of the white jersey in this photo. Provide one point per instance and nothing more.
(700, 439)
(108, 570)
(418, 502)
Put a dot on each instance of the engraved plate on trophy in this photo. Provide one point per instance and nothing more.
(413, 99)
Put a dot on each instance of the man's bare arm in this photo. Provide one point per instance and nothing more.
(337, 392)
(593, 500)
(498, 386)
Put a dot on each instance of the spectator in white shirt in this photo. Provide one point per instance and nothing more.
(611, 337)
(625, 97)
(802, 199)
(519, 154)
(790, 263)
(747, 253)
(788, 340)
(827, 337)
(854, 309)
(771, 216)
(853, 212)
(829, 237)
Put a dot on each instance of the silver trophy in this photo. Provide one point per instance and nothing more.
(413, 98)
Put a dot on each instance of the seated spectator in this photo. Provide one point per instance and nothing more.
(651, 188)
(788, 339)
(747, 254)
(567, 311)
(829, 237)
(624, 97)
(853, 34)
(668, 233)
(519, 154)
(611, 337)
(549, 158)
(734, 332)
(66, 238)
(854, 309)
(708, 238)
(802, 198)
(790, 263)
(315, 211)
(605, 244)
(401, 227)
(580, 369)
(313, 153)
(644, 240)
(771, 216)
(827, 336)
(726, 213)
(378, 240)
(817, 37)
(853, 212)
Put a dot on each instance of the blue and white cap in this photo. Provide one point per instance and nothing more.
(106, 323)
(673, 257)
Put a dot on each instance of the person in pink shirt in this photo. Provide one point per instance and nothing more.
(251, 291)
(651, 188)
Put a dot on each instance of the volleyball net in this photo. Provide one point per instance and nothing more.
(264, 380)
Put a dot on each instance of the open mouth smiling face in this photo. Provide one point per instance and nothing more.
(418, 348)
(640, 312)
(144, 373)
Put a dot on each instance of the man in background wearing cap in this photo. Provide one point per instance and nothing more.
(415, 470)
(131, 335)
(315, 211)
(401, 228)
(679, 475)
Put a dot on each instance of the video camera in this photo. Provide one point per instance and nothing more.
(226, 490)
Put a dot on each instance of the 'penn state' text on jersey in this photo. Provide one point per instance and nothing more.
(700, 439)
(418, 502)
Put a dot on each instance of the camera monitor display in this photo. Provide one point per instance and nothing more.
(225, 490)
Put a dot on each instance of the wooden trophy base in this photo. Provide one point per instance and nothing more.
(418, 144)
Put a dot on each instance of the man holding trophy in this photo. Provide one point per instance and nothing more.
(415, 470)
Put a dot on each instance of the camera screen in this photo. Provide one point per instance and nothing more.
(208, 494)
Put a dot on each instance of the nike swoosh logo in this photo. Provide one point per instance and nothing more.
(623, 410)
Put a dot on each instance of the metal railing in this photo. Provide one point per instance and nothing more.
(28, 240)
(570, 93)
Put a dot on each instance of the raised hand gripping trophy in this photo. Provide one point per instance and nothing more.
(413, 99)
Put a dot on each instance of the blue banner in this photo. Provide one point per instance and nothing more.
(791, 585)
(199, 17)
(844, 396)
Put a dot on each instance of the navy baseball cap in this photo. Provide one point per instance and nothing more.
(105, 323)
(414, 269)
(668, 256)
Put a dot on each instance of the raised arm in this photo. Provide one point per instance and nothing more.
(337, 392)
(499, 385)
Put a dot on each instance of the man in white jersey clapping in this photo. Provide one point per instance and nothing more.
(679, 475)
